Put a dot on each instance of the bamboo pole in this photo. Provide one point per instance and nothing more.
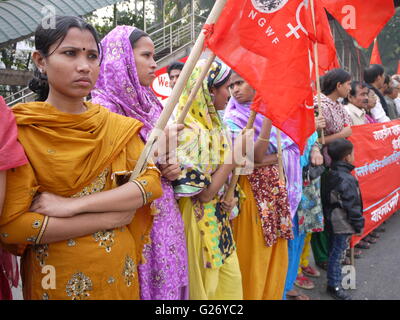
(176, 92)
(352, 256)
(235, 178)
(316, 66)
(280, 162)
(196, 88)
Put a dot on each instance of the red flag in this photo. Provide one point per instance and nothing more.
(362, 19)
(327, 58)
(268, 46)
(398, 68)
(375, 57)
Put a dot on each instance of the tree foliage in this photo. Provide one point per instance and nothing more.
(389, 43)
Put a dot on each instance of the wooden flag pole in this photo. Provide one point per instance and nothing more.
(280, 162)
(235, 178)
(316, 66)
(196, 88)
(176, 92)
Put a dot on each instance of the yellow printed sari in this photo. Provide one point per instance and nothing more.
(74, 155)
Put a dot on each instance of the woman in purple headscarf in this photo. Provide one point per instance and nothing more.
(264, 224)
(127, 71)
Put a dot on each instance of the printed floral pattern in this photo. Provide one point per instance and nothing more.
(129, 271)
(272, 203)
(78, 286)
(42, 253)
(105, 239)
(311, 218)
(96, 186)
(335, 115)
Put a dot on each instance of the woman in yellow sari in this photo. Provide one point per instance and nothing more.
(263, 226)
(79, 230)
(205, 153)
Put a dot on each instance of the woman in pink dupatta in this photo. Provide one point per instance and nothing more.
(12, 155)
(119, 88)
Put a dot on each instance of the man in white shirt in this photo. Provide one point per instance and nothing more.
(378, 113)
(357, 102)
(396, 96)
(374, 76)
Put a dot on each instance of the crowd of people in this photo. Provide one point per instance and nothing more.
(71, 212)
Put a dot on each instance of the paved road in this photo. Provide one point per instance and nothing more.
(377, 272)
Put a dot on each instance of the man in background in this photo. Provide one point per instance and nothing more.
(174, 70)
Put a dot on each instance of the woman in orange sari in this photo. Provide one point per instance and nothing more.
(79, 229)
(263, 226)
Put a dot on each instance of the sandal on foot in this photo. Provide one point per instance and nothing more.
(295, 295)
(310, 272)
(304, 283)
(375, 235)
(357, 253)
(370, 239)
(363, 245)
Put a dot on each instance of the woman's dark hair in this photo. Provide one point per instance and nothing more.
(332, 78)
(136, 35)
(387, 80)
(355, 85)
(339, 148)
(388, 91)
(45, 38)
(372, 72)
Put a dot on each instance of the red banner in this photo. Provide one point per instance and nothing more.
(377, 162)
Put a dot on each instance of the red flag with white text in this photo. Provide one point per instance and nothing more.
(267, 44)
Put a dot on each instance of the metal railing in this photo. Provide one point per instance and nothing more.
(176, 35)
(167, 41)
(20, 96)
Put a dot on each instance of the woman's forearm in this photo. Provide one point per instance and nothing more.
(129, 196)
(218, 179)
(268, 160)
(61, 229)
(260, 149)
(123, 198)
(262, 143)
(332, 137)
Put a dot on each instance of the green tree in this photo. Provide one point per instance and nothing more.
(389, 44)
(123, 17)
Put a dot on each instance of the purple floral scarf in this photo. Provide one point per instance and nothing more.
(164, 276)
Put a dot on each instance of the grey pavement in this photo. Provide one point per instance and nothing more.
(377, 272)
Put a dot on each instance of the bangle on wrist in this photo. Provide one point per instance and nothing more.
(262, 139)
(143, 192)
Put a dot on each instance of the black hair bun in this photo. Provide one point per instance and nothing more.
(40, 86)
